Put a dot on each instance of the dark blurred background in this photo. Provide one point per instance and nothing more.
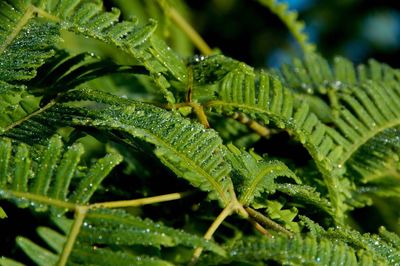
(356, 29)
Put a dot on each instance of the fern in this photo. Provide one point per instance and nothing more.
(290, 20)
(99, 118)
(365, 110)
(182, 146)
(262, 97)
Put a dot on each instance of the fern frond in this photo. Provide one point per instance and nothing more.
(262, 97)
(105, 236)
(254, 174)
(365, 112)
(110, 227)
(182, 146)
(89, 19)
(371, 115)
(289, 18)
(48, 177)
(299, 250)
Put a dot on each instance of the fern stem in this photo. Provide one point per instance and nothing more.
(228, 210)
(260, 228)
(253, 125)
(262, 219)
(80, 214)
(42, 199)
(182, 23)
(199, 111)
(140, 202)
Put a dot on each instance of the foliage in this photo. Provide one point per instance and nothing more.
(98, 113)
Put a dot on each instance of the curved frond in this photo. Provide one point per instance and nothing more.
(368, 113)
(188, 149)
(289, 18)
(263, 98)
(48, 178)
(369, 117)
(89, 19)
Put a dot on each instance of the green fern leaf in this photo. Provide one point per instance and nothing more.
(182, 146)
(110, 227)
(89, 19)
(366, 108)
(255, 175)
(263, 98)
